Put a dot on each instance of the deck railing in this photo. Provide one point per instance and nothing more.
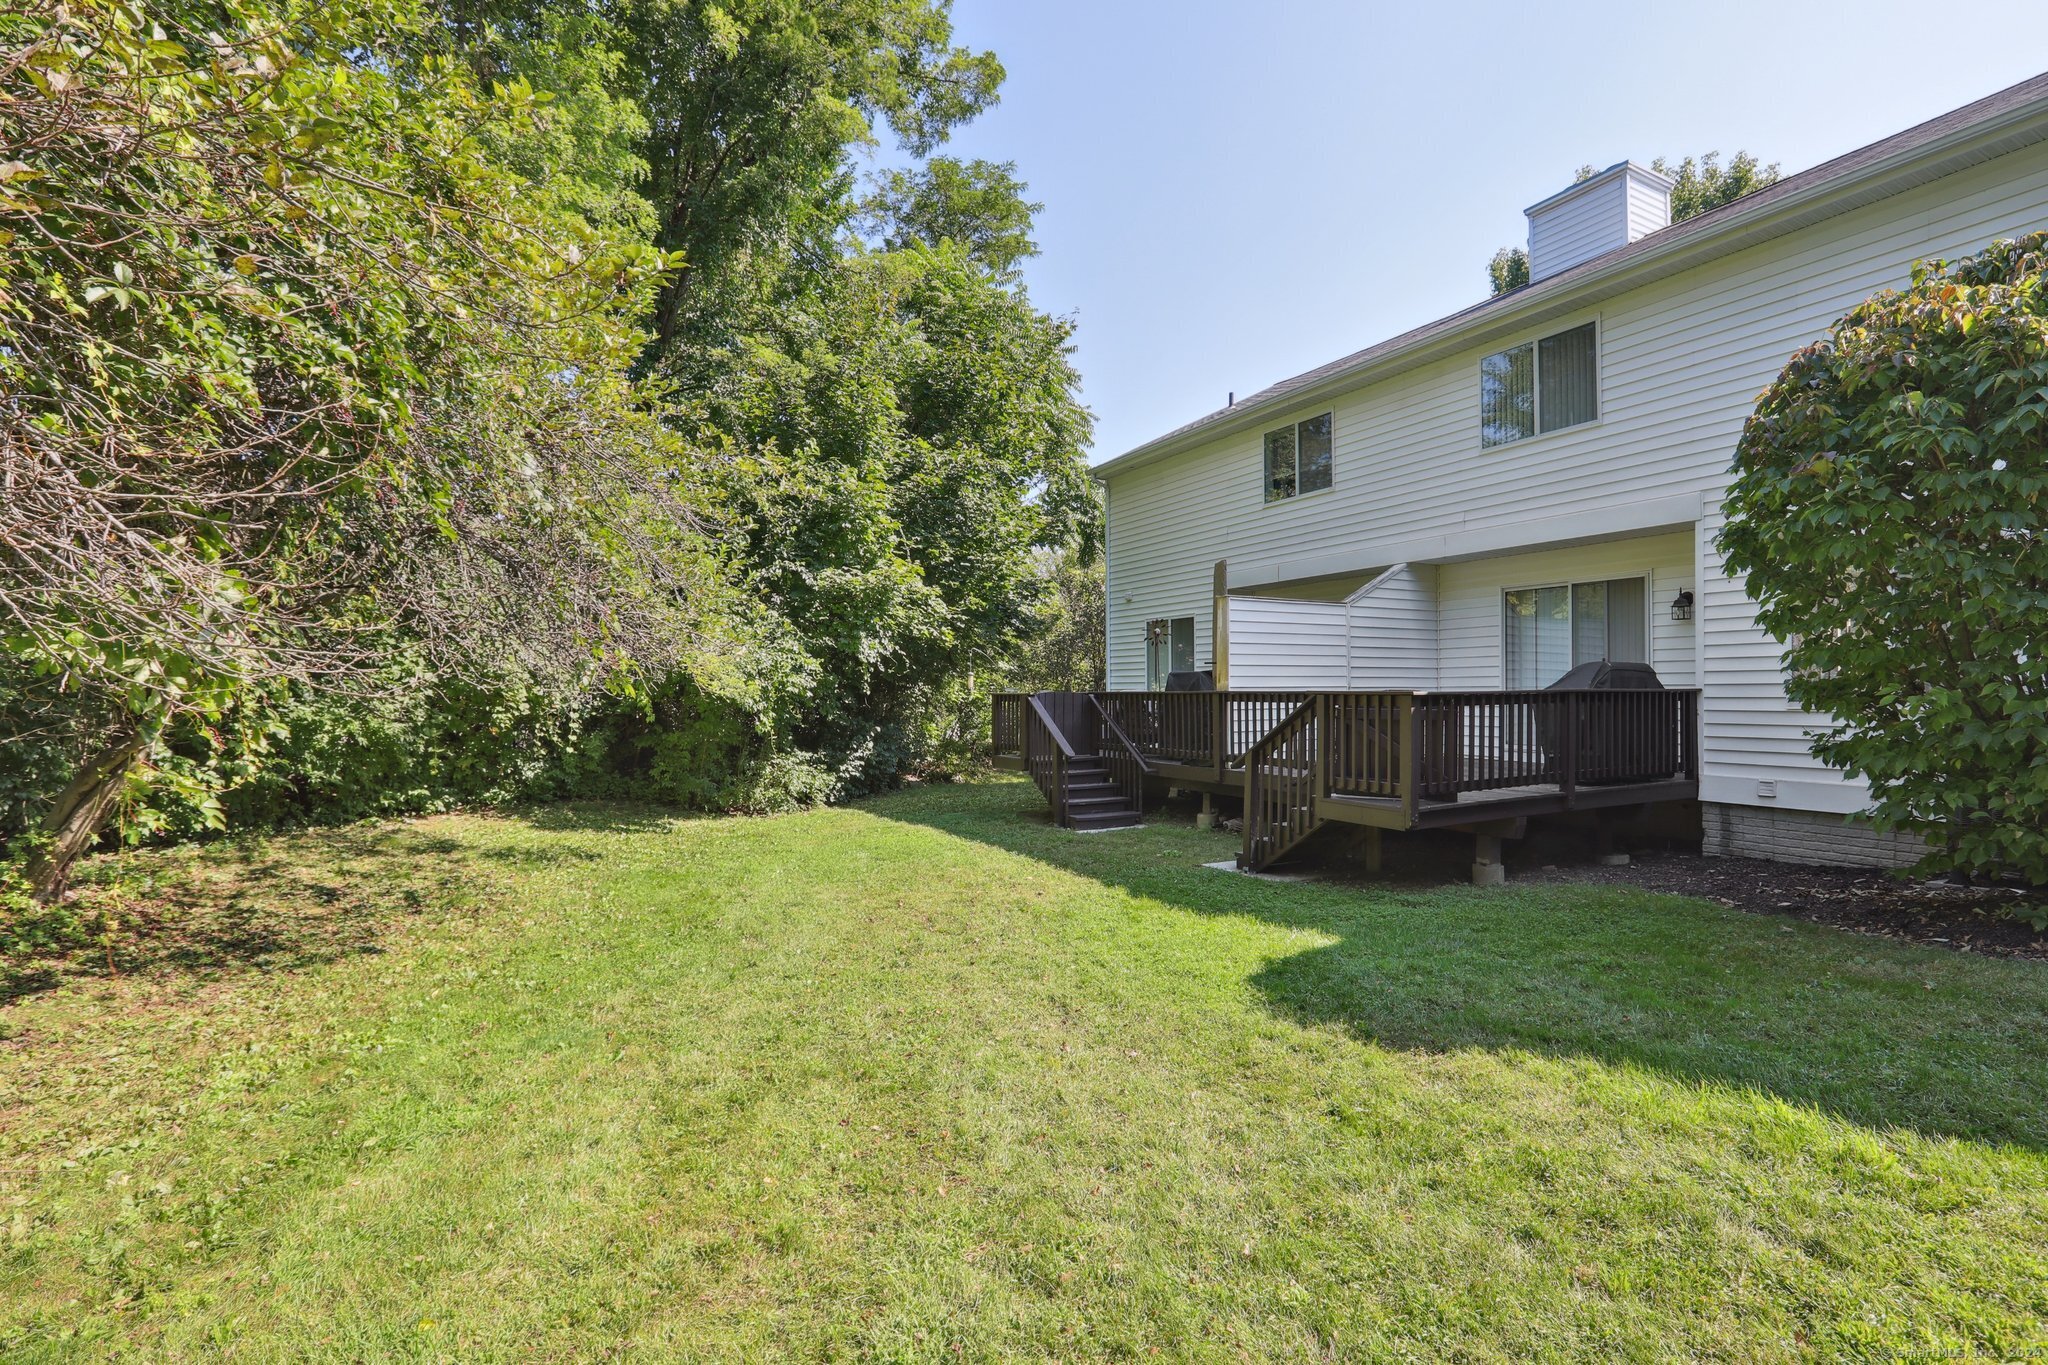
(1183, 727)
(1176, 727)
(1412, 747)
(1006, 722)
(1250, 716)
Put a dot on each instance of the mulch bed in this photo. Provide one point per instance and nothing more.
(1981, 919)
(1967, 919)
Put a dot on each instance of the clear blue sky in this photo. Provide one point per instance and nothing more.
(1235, 193)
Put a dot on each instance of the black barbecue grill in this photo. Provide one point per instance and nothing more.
(1602, 756)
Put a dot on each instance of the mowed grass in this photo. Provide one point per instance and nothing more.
(923, 1079)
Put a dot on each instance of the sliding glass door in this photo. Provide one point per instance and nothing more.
(1550, 630)
(1169, 648)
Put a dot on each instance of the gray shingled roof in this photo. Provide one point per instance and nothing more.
(2012, 118)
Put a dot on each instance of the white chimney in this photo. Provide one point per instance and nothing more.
(1611, 209)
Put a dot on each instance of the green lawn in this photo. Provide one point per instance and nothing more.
(922, 1079)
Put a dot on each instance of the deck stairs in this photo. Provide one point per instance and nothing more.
(1094, 800)
(1280, 810)
(1083, 763)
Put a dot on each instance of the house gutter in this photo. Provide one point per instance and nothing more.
(1794, 203)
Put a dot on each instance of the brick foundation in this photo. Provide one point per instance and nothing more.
(1802, 836)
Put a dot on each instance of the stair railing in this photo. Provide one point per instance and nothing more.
(1127, 767)
(1047, 757)
(1283, 772)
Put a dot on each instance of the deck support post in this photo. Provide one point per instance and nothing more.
(1374, 851)
(1487, 869)
(1410, 775)
(1219, 716)
(1206, 819)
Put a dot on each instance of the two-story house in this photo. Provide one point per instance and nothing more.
(1534, 482)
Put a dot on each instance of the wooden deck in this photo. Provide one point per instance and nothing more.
(1389, 760)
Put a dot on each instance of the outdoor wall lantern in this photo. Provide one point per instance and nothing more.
(1681, 605)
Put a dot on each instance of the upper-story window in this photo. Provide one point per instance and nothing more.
(1298, 458)
(1544, 385)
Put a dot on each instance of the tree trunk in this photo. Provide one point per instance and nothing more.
(80, 813)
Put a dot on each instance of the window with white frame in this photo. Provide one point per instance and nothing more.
(1169, 648)
(1543, 385)
(1298, 458)
(1551, 630)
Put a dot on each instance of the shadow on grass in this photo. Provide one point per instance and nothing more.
(290, 901)
(275, 904)
(601, 817)
(1877, 1033)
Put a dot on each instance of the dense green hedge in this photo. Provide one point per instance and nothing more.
(1890, 508)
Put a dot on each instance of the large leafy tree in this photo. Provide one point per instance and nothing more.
(1068, 651)
(905, 426)
(289, 361)
(1890, 508)
(1705, 183)
(979, 204)
(1701, 183)
(912, 443)
(581, 142)
(750, 107)
(327, 317)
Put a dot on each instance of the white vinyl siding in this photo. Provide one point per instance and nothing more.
(1381, 636)
(1649, 208)
(1284, 643)
(1422, 626)
(1579, 229)
(1754, 740)
(1682, 360)
(1393, 629)
(1612, 209)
